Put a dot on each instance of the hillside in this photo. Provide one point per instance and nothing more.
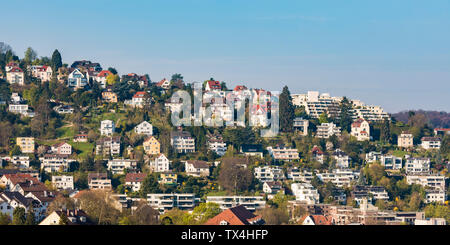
(437, 119)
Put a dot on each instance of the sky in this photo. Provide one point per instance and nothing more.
(392, 53)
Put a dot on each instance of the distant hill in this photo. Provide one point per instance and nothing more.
(437, 119)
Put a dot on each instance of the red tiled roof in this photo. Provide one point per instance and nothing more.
(316, 150)
(139, 94)
(317, 219)
(235, 216)
(358, 122)
(16, 69)
(239, 88)
(104, 73)
(135, 177)
(214, 84)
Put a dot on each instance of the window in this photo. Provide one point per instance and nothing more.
(223, 222)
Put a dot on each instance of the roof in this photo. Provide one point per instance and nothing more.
(251, 148)
(97, 175)
(160, 83)
(272, 184)
(198, 164)
(239, 88)
(139, 94)
(214, 84)
(317, 219)
(180, 134)
(358, 122)
(431, 139)
(238, 215)
(59, 144)
(77, 214)
(135, 177)
(26, 201)
(316, 150)
(104, 73)
(16, 69)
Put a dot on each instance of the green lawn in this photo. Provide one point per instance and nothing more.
(399, 153)
(82, 148)
(65, 132)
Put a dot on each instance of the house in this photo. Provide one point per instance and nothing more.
(317, 154)
(99, 181)
(431, 143)
(340, 177)
(5, 208)
(315, 220)
(109, 97)
(86, 65)
(118, 166)
(164, 84)
(101, 78)
(80, 138)
(427, 180)
(144, 128)
(441, 131)
(361, 129)
(64, 109)
(159, 163)
(196, 168)
(13, 200)
(77, 79)
(416, 165)
(301, 126)
(139, 99)
(238, 215)
(217, 145)
(326, 130)
(298, 175)
(20, 108)
(74, 217)
(361, 192)
(62, 148)
(283, 153)
(108, 146)
(162, 202)
(42, 72)
(252, 150)
(152, 146)
(134, 180)
(341, 158)
(63, 182)
(182, 142)
(15, 76)
(20, 161)
(26, 144)
(435, 196)
(55, 163)
(405, 140)
(107, 127)
(272, 187)
(305, 192)
(268, 173)
(212, 85)
(251, 203)
(430, 221)
(11, 65)
(168, 178)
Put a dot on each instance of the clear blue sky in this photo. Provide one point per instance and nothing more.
(390, 53)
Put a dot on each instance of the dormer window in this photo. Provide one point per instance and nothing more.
(223, 222)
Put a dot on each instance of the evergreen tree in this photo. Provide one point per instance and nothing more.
(56, 61)
(323, 118)
(345, 120)
(30, 220)
(30, 55)
(287, 112)
(386, 131)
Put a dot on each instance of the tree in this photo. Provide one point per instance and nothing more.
(4, 219)
(149, 185)
(205, 211)
(61, 203)
(30, 219)
(345, 120)
(144, 215)
(274, 216)
(19, 217)
(287, 111)
(386, 131)
(98, 205)
(111, 79)
(56, 61)
(323, 118)
(234, 177)
(30, 55)
(112, 70)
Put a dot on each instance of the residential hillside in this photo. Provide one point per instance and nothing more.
(437, 119)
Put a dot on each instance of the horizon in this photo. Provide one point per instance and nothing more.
(399, 60)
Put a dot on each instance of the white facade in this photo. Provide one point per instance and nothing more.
(431, 143)
(21, 161)
(361, 129)
(55, 163)
(144, 128)
(305, 192)
(405, 140)
(437, 196)
(268, 173)
(433, 181)
(339, 177)
(117, 166)
(63, 182)
(159, 164)
(251, 203)
(107, 127)
(417, 165)
(301, 125)
(164, 202)
(283, 153)
(326, 130)
(219, 147)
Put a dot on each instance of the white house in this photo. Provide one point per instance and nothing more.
(77, 79)
(326, 130)
(342, 159)
(268, 173)
(196, 168)
(107, 127)
(251, 203)
(63, 182)
(361, 129)
(431, 180)
(435, 196)
(144, 128)
(55, 163)
(15, 76)
(272, 187)
(21, 161)
(305, 192)
(62, 148)
(283, 153)
(405, 140)
(134, 180)
(117, 166)
(301, 125)
(416, 165)
(182, 142)
(431, 143)
(159, 163)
